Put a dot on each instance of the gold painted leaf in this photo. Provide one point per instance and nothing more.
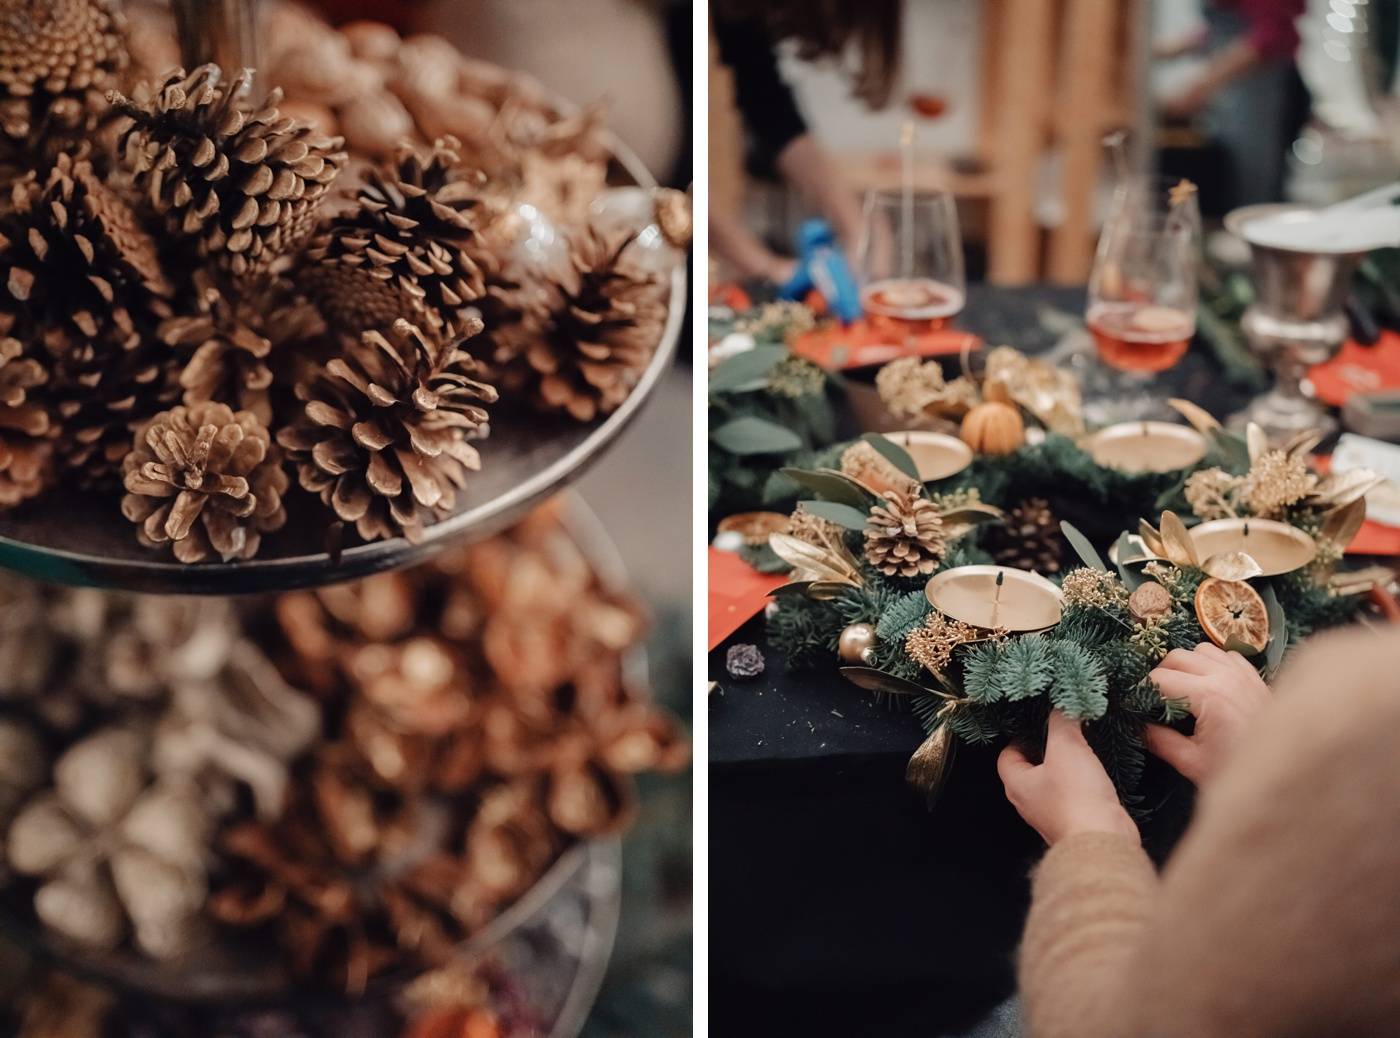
(1200, 419)
(873, 680)
(928, 768)
(1152, 539)
(1232, 565)
(834, 564)
(1342, 488)
(1341, 524)
(1176, 539)
(1257, 441)
(1303, 442)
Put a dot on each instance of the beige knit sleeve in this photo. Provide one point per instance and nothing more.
(1091, 897)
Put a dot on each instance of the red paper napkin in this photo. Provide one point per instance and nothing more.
(737, 592)
(1357, 368)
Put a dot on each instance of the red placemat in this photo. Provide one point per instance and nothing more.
(868, 342)
(737, 592)
(1357, 368)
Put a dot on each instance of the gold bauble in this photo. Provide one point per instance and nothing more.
(993, 427)
(857, 645)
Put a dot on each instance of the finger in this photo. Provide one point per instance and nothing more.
(1012, 763)
(1194, 689)
(1063, 733)
(1176, 749)
(1211, 651)
(1188, 661)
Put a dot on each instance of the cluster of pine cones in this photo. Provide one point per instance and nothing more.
(195, 305)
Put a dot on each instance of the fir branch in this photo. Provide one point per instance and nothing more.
(1079, 687)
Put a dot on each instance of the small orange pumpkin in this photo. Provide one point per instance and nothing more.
(993, 427)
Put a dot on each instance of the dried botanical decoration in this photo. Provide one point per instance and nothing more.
(206, 481)
(83, 286)
(404, 250)
(25, 424)
(1276, 480)
(914, 389)
(744, 661)
(1211, 493)
(599, 337)
(868, 467)
(904, 535)
(240, 181)
(228, 339)
(384, 434)
(1093, 588)
(931, 644)
(113, 849)
(1232, 612)
(57, 58)
(813, 529)
(24, 764)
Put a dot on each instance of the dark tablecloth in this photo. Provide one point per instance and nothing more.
(839, 904)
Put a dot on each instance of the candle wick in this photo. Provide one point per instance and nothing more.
(996, 598)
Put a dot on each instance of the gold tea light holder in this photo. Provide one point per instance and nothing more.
(935, 455)
(1146, 446)
(996, 598)
(1277, 547)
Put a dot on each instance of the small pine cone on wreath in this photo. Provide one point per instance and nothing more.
(57, 58)
(601, 334)
(241, 181)
(25, 426)
(384, 435)
(205, 481)
(406, 249)
(83, 286)
(1029, 539)
(904, 535)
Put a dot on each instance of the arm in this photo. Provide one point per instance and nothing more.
(1091, 896)
(740, 247)
(807, 166)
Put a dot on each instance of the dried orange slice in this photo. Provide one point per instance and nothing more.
(1232, 611)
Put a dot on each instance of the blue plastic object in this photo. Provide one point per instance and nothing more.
(822, 265)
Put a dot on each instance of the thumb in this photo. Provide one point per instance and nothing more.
(1176, 749)
(1011, 762)
(1064, 731)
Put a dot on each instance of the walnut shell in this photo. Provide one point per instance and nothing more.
(993, 428)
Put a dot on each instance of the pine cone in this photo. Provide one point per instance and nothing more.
(57, 58)
(600, 336)
(83, 281)
(25, 425)
(384, 438)
(405, 249)
(240, 180)
(206, 481)
(904, 536)
(1029, 539)
(230, 336)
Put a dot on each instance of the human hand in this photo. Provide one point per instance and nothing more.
(1185, 104)
(1224, 693)
(780, 269)
(1069, 792)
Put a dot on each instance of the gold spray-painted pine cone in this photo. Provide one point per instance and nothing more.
(904, 535)
(406, 248)
(205, 481)
(384, 435)
(239, 180)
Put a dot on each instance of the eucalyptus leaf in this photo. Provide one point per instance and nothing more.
(833, 486)
(748, 369)
(1278, 629)
(750, 435)
(842, 515)
(1230, 450)
(1132, 579)
(893, 453)
(1243, 648)
(1082, 547)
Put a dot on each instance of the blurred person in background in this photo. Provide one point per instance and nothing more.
(1276, 914)
(1242, 86)
(865, 35)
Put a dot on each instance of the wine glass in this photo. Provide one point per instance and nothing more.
(910, 263)
(1142, 291)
